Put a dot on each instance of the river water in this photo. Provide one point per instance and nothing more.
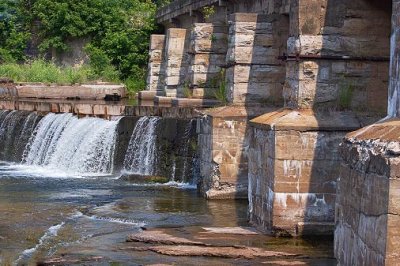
(43, 215)
(61, 195)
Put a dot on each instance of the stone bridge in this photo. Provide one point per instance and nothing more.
(297, 76)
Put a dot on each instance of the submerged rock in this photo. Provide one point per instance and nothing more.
(215, 251)
(159, 237)
(166, 244)
(140, 179)
(231, 230)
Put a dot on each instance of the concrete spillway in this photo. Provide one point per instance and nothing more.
(63, 144)
(15, 129)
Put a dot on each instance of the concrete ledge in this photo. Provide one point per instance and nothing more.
(83, 92)
(101, 109)
(307, 120)
(185, 102)
(162, 100)
(98, 108)
(386, 130)
(147, 95)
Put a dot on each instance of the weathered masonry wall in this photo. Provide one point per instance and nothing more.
(156, 56)
(368, 194)
(326, 62)
(343, 50)
(223, 152)
(367, 209)
(254, 73)
(293, 162)
(174, 60)
(207, 58)
(332, 71)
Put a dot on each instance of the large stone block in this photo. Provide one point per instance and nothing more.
(368, 195)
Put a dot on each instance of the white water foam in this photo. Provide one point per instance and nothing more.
(173, 184)
(50, 233)
(140, 157)
(63, 145)
(115, 220)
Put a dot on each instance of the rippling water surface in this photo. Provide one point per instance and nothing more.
(42, 215)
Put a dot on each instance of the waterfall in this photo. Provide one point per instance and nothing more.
(185, 142)
(394, 87)
(140, 158)
(63, 142)
(15, 129)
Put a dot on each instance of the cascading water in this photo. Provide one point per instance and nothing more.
(184, 176)
(140, 158)
(15, 129)
(77, 146)
(63, 145)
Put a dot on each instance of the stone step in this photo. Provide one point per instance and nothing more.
(185, 102)
(162, 100)
(147, 95)
(198, 93)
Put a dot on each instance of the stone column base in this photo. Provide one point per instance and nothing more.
(223, 144)
(368, 201)
(293, 166)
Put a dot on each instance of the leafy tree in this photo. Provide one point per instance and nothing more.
(13, 37)
(118, 29)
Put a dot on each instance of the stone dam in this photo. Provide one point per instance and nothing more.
(290, 104)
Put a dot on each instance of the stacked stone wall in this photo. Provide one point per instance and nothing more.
(223, 156)
(174, 62)
(255, 74)
(349, 40)
(156, 57)
(292, 180)
(368, 195)
(367, 209)
(207, 59)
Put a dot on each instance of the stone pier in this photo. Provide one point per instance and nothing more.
(368, 194)
(334, 79)
(174, 60)
(306, 72)
(254, 73)
(223, 151)
(207, 59)
(368, 204)
(156, 56)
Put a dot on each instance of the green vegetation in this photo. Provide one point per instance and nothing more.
(220, 91)
(13, 36)
(345, 98)
(208, 11)
(117, 32)
(187, 92)
(42, 71)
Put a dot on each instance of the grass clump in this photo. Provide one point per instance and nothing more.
(345, 98)
(48, 72)
(219, 91)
